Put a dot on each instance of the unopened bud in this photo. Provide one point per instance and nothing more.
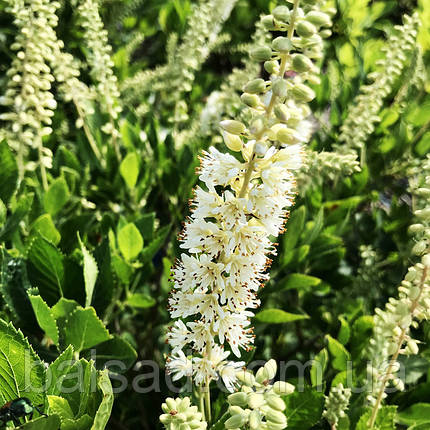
(282, 112)
(279, 87)
(235, 421)
(281, 13)
(232, 126)
(255, 86)
(232, 141)
(268, 22)
(251, 100)
(303, 93)
(262, 53)
(275, 402)
(283, 388)
(271, 67)
(282, 44)
(320, 19)
(305, 29)
(301, 63)
(238, 399)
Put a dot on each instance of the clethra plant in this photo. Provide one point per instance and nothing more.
(242, 207)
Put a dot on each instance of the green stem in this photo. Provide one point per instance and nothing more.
(42, 166)
(202, 403)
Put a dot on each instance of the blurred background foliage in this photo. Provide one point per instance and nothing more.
(346, 247)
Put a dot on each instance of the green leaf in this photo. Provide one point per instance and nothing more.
(90, 273)
(299, 281)
(139, 300)
(103, 413)
(278, 316)
(415, 415)
(340, 356)
(45, 318)
(12, 222)
(318, 368)
(344, 331)
(22, 374)
(384, 420)
(82, 423)
(83, 329)
(58, 370)
(129, 169)
(130, 241)
(294, 228)
(304, 409)
(9, 173)
(60, 406)
(56, 196)
(149, 251)
(42, 423)
(46, 228)
(45, 269)
(315, 228)
(114, 349)
(3, 213)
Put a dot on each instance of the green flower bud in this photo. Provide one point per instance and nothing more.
(326, 33)
(184, 404)
(425, 192)
(235, 421)
(261, 375)
(255, 420)
(275, 426)
(262, 53)
(301, 63)
(279, 87)
(271, 67)
(271, 368)
(416, 228)
(256, 400)
(276, 416)
(282, 112)
(314, 80)
(318, 18)
(282, 44)
(303, 93)
(255, 86)
(283, 388)
(305, 29)
(419, 247)
(251, 100)
(269, 23)
(184, 426)
(171, 404)
(232, 126)
(246, 377)
(423, 213)
(281, 13)
(426, 260)
(233, 142)
(256, 126)
(238, 399)
(275, 402)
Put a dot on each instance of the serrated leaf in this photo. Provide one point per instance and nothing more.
(304, 409)
(45, 269)
(105, 409)
(42, 423)
(139, 300)
(57, 370)
(318, 368)
(340, 356)
(114, 349)
(60, 406)
(22, 374)
(130, 241)
(83, 329)
(45, 318)
(90, 273)
(56, 196)
(9, 173)
(46, 228)
(384, 420)
(129, 169)
(278, 316)
(299, 281)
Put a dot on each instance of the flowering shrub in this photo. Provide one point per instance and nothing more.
(205, 210)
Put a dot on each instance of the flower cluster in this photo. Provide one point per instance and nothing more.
(259, 405)
(183, 60)
(336, 403)
(244, 204)
(29, 92)
(363, 115)
(180, 415)
(99, 59)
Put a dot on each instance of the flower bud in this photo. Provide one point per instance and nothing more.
(251, 100)
(281, 112)
(261, 375)
(255, 420)
(271, 368)
(303, 93)
(281, 13)
(305, 29)
(419, 247)
(256, 400)
(261, 53)
(301, 63)
(276, 416)
(283, 388)
(275, 426)
(412, 347)
(238, 399)
(425, 192)
(235, 421)
(279, 87)
(268, 23)
(171, 404)
(232, 126)
(318, 18)
(184, 426)
(255, 86)
(325, 33)
(282, 44)
(247, 378)
(271, 67)
(426, 260)
(275, 402)
(233, 142)
(423, 213)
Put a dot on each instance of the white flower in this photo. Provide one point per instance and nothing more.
(228, 373)
(179, 365)
(178, 336)
(203, 370)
